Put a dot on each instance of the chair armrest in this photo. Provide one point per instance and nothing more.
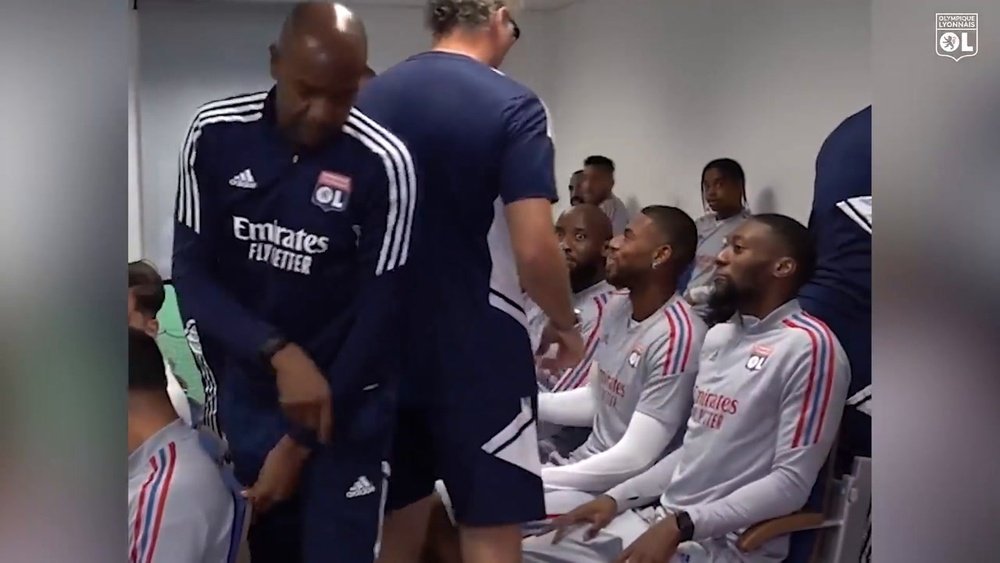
(757, 535)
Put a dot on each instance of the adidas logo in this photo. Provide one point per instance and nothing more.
(244, 180)
(361, 487)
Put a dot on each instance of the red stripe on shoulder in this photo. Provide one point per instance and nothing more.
(804, 412)
(171, 462)
(133, 555)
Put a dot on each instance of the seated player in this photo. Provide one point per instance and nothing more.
(180, 509)
(723, 190)
(145, 299)
(583, 232)
(641, 392)
(768, 399)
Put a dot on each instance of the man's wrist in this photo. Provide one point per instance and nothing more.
(567, 322)
(271, 348)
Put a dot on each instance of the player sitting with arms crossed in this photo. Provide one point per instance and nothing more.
(180, 509)
(583, 232)
(768, 400)
(640, 392)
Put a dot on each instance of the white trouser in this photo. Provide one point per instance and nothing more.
(620, 533)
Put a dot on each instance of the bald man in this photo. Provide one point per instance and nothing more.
(583, 232)
(293, 218)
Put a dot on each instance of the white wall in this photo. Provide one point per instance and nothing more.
(134, 209)
(190, 53)
(662, 87)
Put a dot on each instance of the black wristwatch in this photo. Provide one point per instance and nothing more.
(271, 347)
(685, 526)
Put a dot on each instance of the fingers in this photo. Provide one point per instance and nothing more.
(623, 558)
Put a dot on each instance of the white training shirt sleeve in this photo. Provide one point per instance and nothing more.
(813, 394)
(568, 408)
(646, 487)
(644, 440)
(669, 368)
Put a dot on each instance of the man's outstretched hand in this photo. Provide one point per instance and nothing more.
(303, 392)
(278, 477)
(598, 513)
(656, 545)
(569, 348)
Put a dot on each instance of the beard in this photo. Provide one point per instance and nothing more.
(723, 301)
(582, 276)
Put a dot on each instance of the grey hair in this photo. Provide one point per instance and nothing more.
(443, 16)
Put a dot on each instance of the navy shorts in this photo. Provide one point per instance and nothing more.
(472, 423)
(336, 514)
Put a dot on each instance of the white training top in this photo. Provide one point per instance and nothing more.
(589, 304)
(179, 507)
(768, 402)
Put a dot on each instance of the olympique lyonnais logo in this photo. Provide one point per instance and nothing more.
(957, 35)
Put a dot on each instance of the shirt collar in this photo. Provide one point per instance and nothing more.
(634, 324)
(751, 324)
(138, 459)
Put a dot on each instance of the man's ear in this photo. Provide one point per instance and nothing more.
(785, 267)
(153, 327)
(273, 50)
(662, 255)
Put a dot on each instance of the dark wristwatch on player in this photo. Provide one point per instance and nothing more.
(685, 526)
(271, 347)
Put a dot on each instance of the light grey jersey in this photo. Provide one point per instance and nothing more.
(589, 304)
(767, 405)
(712, 235)
(615, 209)
(646, 367)
(180, 509)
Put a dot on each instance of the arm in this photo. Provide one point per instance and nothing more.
(647, 486)
(667, 370)
(568, 408)
(527, 186)
(198, 221)
(644, 440)
(385, 217)
(812, 400)
(175, 525)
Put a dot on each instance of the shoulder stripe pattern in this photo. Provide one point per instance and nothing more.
(239, 109)
(817, 396)
(577, 375)
(402, 186)
(679, 346)
(859, 210)
(149, 516)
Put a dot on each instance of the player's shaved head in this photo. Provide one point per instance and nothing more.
(583, 231)
(327, 29)
(318, 62)
(595, 221)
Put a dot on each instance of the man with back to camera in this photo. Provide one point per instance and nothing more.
(292, 234)
(583, 233)
(768, 398)
(145, 299)
(645, 362)
(180, 509)
(483, 232)
(840, 291)
(596, 187)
